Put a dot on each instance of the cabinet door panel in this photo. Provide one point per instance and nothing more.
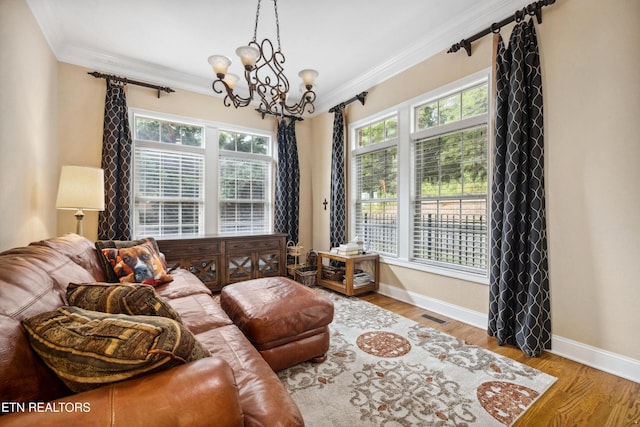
(269, 263)
(205, 269)
(239, 267)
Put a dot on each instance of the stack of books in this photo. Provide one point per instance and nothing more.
(346, 249)
(361, 279)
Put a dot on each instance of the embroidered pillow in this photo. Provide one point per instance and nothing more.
(125, 298)
(137, 264)
(88, 349)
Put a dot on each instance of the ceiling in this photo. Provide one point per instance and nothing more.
(354, 44)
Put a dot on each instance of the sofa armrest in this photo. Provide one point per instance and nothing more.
(198, 393)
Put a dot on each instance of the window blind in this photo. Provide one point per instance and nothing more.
(244, 195)
(450, 200)
(376, 207)
(168, 191)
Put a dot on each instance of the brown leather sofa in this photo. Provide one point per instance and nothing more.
(235, 386)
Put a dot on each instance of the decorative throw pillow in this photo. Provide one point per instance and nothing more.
(119, 244)
(137, 264)
(88, 349)
(125, 298)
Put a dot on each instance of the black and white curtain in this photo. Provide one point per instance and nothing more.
(114, 221)
(519, 309)
(338, 213)
(287, 206)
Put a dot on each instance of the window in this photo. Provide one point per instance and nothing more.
(193, 178)
(168, 185)
(419, 180)
(245, 171)
(450, 188)
(376, 185)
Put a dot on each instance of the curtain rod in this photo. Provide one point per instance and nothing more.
(125, 80)
(359, 97)
(264, 112)
(533, 9)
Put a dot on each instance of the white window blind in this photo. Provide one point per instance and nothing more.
(168, 192)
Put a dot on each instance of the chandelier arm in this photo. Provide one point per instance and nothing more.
(307, 100)
(230, 98)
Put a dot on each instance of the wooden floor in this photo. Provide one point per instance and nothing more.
(582, 396)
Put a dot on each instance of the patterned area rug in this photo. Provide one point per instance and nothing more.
(385, 370)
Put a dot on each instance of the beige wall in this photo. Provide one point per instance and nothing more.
(28, 135)
(591, 62)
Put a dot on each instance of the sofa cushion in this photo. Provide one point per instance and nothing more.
(80, 250)
(88, 349)
(119, 244)
(185, 283)
(122, 298)
(139, 264)
(200, 312)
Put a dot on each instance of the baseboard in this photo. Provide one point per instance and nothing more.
(612, 363)
(470, 317)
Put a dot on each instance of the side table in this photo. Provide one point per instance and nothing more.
(369, 263)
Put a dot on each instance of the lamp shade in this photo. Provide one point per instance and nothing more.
(308, 77)
(231, 80)
(248, 55)
(220, 64)
(81, 188)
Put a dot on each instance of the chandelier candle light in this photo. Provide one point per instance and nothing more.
(264, 75)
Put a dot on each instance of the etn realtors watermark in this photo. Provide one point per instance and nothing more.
(46, 407)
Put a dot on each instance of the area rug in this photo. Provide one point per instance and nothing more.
(386, 370)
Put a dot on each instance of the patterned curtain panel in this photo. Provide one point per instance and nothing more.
(114, 221)
(287, 206)
(338, 213)
(519, 309)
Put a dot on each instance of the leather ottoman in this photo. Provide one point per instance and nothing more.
(284, 320)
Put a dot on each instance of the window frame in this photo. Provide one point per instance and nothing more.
(269, 159)
(211, 150)
(407, 134)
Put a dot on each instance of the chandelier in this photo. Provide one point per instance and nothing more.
(264, 75)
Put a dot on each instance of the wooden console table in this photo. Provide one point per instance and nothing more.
(222, 260)
(369, 263)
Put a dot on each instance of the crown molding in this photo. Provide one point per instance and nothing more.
(449, 32)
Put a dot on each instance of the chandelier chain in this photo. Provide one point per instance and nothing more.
(255, 29)
(275, 7)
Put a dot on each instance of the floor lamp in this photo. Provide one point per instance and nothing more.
(81, 188)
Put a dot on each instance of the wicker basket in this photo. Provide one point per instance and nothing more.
(291, 269)
(332, 273)
(294, 249)
(307, 275)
